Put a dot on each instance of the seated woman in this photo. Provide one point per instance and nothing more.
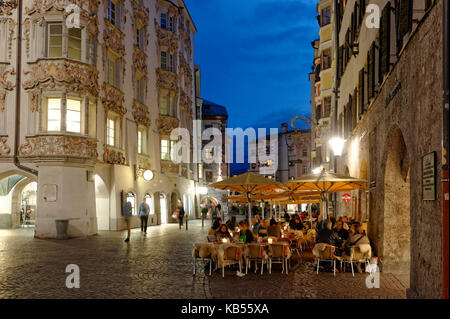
(246, 234)
(274, 229)
(356, 238)
(223, 232)
(215, 227)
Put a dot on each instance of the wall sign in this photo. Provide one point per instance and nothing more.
(346, 197)
(429, 176)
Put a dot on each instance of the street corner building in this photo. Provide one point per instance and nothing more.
(383, 88)
(89, 94)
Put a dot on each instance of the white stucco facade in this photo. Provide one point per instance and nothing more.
(118, 85)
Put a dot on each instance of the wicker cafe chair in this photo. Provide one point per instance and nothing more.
(310, 238)
(278, 253)
(325, 252)
(296, 244)
(255, 253)
(205, 252)
(358, 254)
(231, 255)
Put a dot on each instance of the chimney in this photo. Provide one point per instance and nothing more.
(284, 127)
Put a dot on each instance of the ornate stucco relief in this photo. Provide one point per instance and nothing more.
(75, 76)
(5, 85)
(141, 113)
(59, 145)
(113, 99)
(4, 148)
(166, 124)
(112, 155)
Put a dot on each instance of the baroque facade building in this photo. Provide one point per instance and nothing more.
(99, 87)
(323, 80)
(390, 114)
(290, 160)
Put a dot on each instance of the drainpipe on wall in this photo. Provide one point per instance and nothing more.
(336, 89)
(445, 149)
(18, 92)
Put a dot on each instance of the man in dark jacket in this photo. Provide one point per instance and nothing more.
(343, 234)
(328, 236)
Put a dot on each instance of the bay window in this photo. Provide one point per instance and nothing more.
(113, 12)
(53, 114)
(167, 149)
(68, 111)
(140, 89)
(73, 116)
(111, 131)
(113, 74)
(55, 40)
(168, 104)
(74, 46)
(168, 62)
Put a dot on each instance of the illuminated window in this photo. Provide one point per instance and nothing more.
(53, 114)
(165, 150)
(131, 198)
(55, 42)
(74, 48)
(163, 109)
(142, 140)
(111, 132)
(73, 116)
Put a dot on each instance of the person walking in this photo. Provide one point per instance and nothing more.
(127, 212)
(144, 211)
(180, 213)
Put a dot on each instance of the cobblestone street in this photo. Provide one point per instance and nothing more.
(159, 265)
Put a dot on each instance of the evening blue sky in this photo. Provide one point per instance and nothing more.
(255, 56)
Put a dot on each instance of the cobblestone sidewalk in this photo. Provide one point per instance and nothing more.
(158, 265)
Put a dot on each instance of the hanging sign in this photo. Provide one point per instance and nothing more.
(346, 197)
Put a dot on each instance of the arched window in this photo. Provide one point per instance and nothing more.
(149, 202)
(131, 198)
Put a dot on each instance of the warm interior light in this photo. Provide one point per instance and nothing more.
(317, 170)
(148, 175)
(337, 145)
(203, 190)
(224, 240)
(270, 240)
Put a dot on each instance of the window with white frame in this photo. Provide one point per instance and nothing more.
(140, 38)
(113, 74)
(55, 39)
(112, 129)
(167, 149)
(142, 140)
(74, 45)
(164, 21)
(73, 116)
(140, 89)
(53, 114)
(168, 62)
(113, 12)
(74, 112)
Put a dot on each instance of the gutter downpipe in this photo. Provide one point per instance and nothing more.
(336, 90)
(18, 92)
(445, 149)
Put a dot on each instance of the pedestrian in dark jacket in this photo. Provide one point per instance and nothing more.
(181, 213)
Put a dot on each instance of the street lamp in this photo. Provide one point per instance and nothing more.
(337, 145)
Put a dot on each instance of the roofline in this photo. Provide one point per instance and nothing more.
(183, 5)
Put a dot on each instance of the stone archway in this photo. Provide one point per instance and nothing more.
(396, 225)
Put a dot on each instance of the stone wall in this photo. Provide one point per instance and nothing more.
(413, 117)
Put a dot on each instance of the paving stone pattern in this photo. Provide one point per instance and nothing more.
(159, 265)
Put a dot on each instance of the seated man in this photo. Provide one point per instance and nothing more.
(339, 229)
(327, 236)
(262, 231)
(256, 224)
(292, 222)
(298, 225)
(274, 230)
